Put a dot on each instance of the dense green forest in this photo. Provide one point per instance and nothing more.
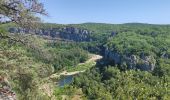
(105, 82)
(39, 58)
(27, 65)
(119, 81)
(104, 61)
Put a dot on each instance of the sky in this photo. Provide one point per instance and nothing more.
(107, 11)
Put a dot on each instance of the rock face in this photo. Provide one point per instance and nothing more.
(112, 56)
(145, 63)
(70, 33)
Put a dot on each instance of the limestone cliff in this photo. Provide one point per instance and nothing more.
(70, 33)
(146, 63)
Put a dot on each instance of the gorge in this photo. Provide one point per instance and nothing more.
(133, 54)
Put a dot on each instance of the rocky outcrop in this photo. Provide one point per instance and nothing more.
(145, 63)
(112, 56)
(70, 33)
(131, 61)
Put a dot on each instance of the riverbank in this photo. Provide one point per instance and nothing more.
(82, 67)
(65, 73)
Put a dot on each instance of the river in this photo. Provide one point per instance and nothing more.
(65, 81)
(68, 76)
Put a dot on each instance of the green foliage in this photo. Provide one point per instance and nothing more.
(22, 71)
(130, 43)
(81, 67)
(130, 39)
(68, 92)
(27, 65)
(122, 85)
(67, 55)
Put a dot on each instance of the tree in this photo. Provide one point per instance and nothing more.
(20, 12)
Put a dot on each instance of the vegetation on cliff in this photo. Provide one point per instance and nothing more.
(135, 64)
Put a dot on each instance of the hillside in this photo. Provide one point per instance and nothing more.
(135, 64)
(25, 66)
(141, 47)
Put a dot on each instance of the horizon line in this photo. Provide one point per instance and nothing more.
(108, 23)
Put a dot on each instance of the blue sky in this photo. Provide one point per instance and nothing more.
(107, 11)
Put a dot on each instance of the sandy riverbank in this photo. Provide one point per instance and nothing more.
(65, 73)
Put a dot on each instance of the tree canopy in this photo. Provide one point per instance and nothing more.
(21, 12)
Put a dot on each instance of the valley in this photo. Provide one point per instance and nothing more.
(84, 50)
(92, 59)
(135, 55)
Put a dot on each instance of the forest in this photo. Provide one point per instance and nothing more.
(133, 63)
(120, 79)
(128, 78)
(41, 57)
(108, 79)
